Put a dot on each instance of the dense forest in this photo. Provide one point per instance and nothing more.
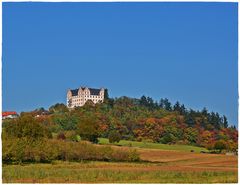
(135, 119)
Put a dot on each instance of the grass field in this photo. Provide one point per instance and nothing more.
(103, 172)
(187, 148)
(163, 164)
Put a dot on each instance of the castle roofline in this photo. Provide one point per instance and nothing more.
(93, 91)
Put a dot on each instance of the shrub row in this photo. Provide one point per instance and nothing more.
(47, 150)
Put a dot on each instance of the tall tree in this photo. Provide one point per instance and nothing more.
(205, 112)
(161, 103)
(143, 101)
(225, 122)
(167, 104)
(183, 110)
(150, 103)
(177, 107)
(106, 95)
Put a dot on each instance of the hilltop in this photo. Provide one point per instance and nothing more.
(140, 120)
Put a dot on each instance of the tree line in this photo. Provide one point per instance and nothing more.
(137, 119)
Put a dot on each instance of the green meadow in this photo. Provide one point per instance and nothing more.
(186, 148)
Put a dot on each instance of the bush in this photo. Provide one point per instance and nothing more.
(114, 136)
(72, 136)
(69, 134)
(61, 135)
(24, 150)
(133, 155)
(168, 138)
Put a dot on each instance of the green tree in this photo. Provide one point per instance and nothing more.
(220, 145)
(143, 101)
(177, 107)
(106, 95)
(88, 128)
(168, 138)
(164, 103)
(205, 112)
(215, 120)
(58, 108)
(182, 110)
(225, 122)
(66, 121)
(27, 126)
(191, 134)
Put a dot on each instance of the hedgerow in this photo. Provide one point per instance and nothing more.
(18, 150)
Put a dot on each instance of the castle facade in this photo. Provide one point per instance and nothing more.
(78, 97)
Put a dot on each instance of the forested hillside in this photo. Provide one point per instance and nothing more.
(140, 120)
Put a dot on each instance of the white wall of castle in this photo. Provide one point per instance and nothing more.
(83, 96)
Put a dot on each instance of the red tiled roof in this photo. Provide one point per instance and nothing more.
(9, 113)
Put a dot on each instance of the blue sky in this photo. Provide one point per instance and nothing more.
(180, 51)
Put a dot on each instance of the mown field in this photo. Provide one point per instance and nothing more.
(161, 166)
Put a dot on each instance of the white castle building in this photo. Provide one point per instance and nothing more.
(78, 97)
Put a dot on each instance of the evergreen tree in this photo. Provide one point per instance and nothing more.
(177, 107)
(225, 122)
(106, 95)
(143, 101)
(189, 118)
(183, 110)
(205, 112)
(150, 103)
(161, 103)
(167, 105)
